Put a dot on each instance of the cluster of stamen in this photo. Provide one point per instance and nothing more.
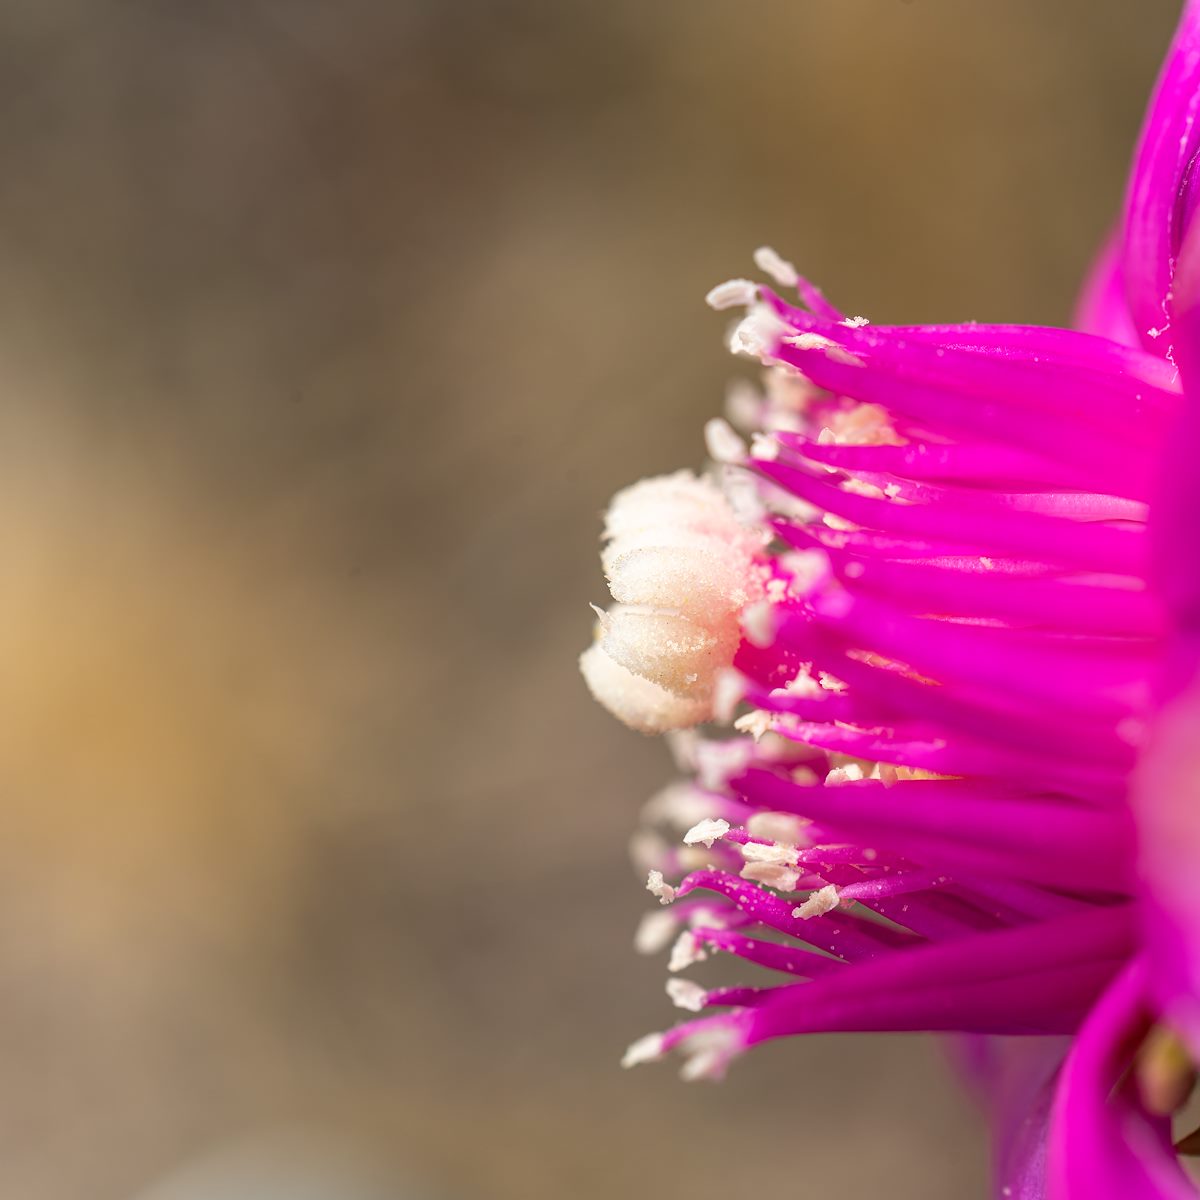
(920, 613)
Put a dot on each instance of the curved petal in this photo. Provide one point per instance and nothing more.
(1102, 307)
(1102, 1145)
(1166, 791)
(1156, 205)
(1015, 1080)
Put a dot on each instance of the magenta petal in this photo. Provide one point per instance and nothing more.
(1167, 809)
(1015, 1079)
(1102, 1145)
(1102, 307)
(1156, 205)
(1166, 793)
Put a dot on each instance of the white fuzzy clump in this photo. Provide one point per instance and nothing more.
(645, 1049)
(784, 828)
(681, 568)
(770, 262)
(679, 805)
(818, 904)
(708, 1052)
(655, 931)
(656, 885)
(775, 875)
(859, 425)
(769, 853)
(686, 952)
(706, 832)
(686, 994)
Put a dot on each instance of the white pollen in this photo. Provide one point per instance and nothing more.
(850, 773)
(733, 293)
(758, 852)
(686, 994)
(728, 693)
(810, 341)
(816, 341)
(711, 917)
(764, 447)
(722, 443)
(855, 322)
(682, 744)
(645, 1049)
(818, 903)
(654, 932)
(757, 333)
(708, 1053)
(680, 804)
(648, 851)
(758, 623)
(706, 832)
(773, 875)
(778, 590)
(744, 404)
(784, 828)
(718, 761)
(756, 723)
(657, 886)
(769, 262)
(686, 952)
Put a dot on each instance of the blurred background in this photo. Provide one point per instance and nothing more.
(326, 331)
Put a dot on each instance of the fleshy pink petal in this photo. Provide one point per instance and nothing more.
(1167, 787)
(1102, 307)
(1103, 1146)
(1158, 204)
(1014, 1080)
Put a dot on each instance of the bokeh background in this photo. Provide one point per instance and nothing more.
(326, 330)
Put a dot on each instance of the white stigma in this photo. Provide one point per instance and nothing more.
(818, 904)
(645, 1049)
(686, 994)
(681, 567)
(657, 886)
(705, 832)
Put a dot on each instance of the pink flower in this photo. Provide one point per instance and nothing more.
(952, 588)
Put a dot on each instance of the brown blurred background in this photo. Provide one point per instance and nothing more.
(326, 330)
